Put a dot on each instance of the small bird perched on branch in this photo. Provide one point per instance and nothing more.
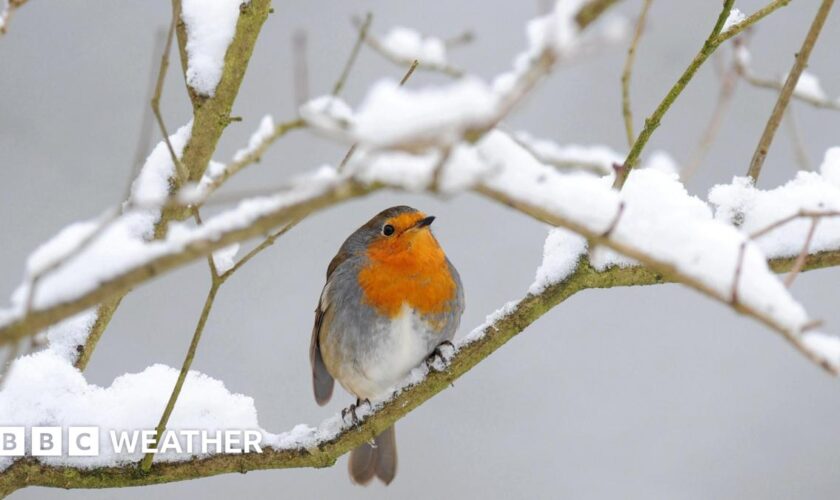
(391, 299)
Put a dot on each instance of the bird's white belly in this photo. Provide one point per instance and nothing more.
(402, 344)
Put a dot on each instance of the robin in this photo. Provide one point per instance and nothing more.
(392, 298)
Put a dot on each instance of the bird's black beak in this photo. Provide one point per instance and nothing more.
(426, 222)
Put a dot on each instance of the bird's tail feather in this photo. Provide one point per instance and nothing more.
(379, 459)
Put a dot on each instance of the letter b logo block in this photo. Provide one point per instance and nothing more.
(12, 441)
(46, 441)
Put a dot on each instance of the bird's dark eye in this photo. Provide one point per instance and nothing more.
(388, 230)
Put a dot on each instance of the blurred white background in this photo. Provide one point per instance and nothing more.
(626, 393)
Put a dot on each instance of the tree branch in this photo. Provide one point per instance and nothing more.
(29, 472)
(787, 90)
(210, 117)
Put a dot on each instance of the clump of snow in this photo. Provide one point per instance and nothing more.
(808, 87)
(328, 114)
(756, 209)
(735, 17)
(826, 346)
(659, 223)
(210, 25)
(224, 258)
(556, 32)
(151, 187)
(615, 28)
(652, 195)
(478, 332)
(395, 116)
(830, 167)
(263, 132)
(459, 170)
(53, 250)
(66, 336)
(121, 246)
(43, 389)
(561, 253)
(662, 161)
(196, 192)
(407, 44)
(742, 55)
(598, 157)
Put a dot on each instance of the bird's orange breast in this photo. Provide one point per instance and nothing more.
(412, 271)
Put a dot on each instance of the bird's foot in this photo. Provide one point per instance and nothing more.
(352, 410)
(437, 360)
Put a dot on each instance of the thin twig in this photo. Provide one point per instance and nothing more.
(767, 83)
(345, 72)
(155, 102)
(626, 109)
(584, 164)
(800, 260)
(144, 139)
(409, 72)
(608, 232)
(799, 64)
(259, 248)
(253, 156)
(811, 214)
(216, 281)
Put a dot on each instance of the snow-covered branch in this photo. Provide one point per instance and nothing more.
(306, 446)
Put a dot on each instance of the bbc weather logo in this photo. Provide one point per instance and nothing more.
(83, 441)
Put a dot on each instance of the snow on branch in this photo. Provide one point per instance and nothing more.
(402, 46)
(304, 445)
(808, 88)
(210, 27)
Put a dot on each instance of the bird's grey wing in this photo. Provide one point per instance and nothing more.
(322, 382)
(457, 304)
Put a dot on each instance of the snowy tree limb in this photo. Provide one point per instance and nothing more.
(327, 196)
(211, 115)
(488, 338)
(210, 118)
